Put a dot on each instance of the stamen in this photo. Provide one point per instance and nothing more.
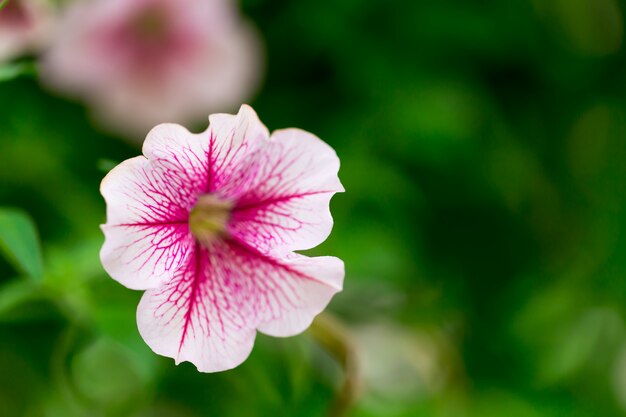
(209, 217)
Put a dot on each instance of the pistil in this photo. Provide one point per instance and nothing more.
(209, 217)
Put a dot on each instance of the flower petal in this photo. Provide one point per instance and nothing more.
(286, 207)
(148, 202)
(232, 139)
(25, 26)
(209, 312)
(313, 295)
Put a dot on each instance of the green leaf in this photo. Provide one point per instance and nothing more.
(106, 373)
(11, 71)
(19, 242)
(14, 293)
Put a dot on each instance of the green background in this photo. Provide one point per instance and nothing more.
(483, 226)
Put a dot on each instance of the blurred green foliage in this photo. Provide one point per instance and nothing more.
(483, 227)
(19, 242)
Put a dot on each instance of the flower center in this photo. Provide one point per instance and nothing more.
(151, 25)
(208, 218)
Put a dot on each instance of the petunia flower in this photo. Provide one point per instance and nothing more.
(208, 224)
(25, 26)
(142, 62)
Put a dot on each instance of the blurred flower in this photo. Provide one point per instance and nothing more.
(25, 26)
(207, 224)
(143, 62)
(619, 377)
(401, 364)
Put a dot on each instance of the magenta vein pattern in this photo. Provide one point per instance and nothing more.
(205, 301)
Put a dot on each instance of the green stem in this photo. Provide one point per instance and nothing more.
(3, 3)
(335, 337)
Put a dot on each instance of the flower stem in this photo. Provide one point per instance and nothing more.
(329, 332)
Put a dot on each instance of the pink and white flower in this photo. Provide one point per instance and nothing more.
(142, 62)
(25, 26)
(208, 224)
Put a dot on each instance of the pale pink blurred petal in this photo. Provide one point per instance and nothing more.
(139, 63)
(26, 26)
